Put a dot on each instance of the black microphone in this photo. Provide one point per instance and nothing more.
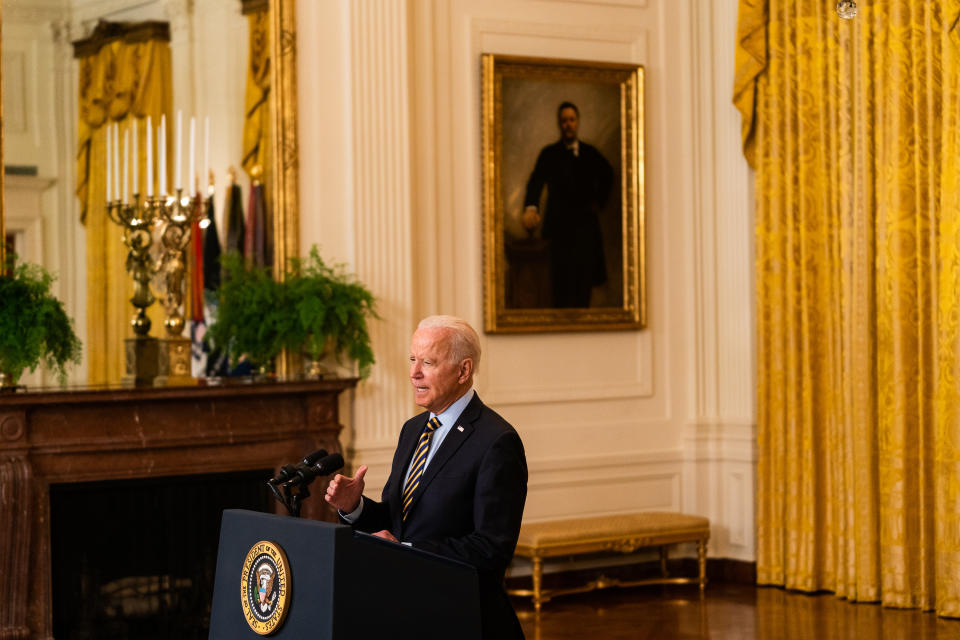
(311, 459)
(325, 466)
(289, 471)
(286, 472)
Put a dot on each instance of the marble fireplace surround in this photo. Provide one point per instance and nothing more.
(115, 434)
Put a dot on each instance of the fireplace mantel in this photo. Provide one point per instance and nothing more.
(115, 434)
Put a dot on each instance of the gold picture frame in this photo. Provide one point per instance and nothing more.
(592, 246)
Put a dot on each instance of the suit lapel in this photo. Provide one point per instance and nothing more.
(451, 443)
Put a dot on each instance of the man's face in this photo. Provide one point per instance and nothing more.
(569, 123)
(437, 380)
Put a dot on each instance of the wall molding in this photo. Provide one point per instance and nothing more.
(720, 442)
(22, 190)
(632, 4)
(571, 479)
(87, 10)
(36, 11)
(15, 96)
(593, 462)
(637, 41)
(549, 394)
(380, 115)
(719, 472)
(722, 226)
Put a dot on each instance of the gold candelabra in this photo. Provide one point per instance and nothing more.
(147, 361)
(136, 221)
(175, 217)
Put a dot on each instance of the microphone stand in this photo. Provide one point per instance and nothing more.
(312, 467)
(296, 499)
(292, 501)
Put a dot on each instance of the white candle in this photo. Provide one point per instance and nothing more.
(162, 153)
(126, 162)
(191, 175)
(109, 168)
(149, 140)
(205, 177)
(135, 184)
(178, 184)
(116, 161)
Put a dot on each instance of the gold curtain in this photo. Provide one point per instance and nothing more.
(857, 235)
(947, 437)
(256, 124)
(118, 82)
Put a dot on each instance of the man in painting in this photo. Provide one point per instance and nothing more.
(578, 180)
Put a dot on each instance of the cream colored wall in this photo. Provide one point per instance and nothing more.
(39, 115)
(391, 184)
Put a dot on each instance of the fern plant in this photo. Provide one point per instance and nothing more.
(250, 316)
(34, 328)
(330, 310)
(315, 308)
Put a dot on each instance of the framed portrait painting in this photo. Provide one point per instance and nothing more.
(563, 210)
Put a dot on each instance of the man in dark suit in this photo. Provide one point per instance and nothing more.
(459, 477)
(578, 180)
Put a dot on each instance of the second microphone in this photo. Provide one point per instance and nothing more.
(324, 466)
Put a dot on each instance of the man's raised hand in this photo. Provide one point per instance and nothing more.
(344, 492)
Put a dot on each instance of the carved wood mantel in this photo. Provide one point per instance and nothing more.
(92, 435)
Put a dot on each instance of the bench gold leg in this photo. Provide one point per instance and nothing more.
(537, 583)
(702, 561)
(663, 560)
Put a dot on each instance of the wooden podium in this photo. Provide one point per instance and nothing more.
(339, 584)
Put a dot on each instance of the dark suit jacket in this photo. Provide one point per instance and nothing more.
(468, 506)
(577, 189)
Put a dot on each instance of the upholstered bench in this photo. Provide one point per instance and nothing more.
(619, 533)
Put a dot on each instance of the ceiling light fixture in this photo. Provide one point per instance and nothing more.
(847, 9)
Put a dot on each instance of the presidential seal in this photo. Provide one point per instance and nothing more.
(265, 587)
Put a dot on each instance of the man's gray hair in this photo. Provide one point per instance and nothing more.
(464, 343)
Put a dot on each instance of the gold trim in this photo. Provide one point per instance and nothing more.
(3, 170)
(632, 314)
(284, 179)
(627, 543)
(253, 6)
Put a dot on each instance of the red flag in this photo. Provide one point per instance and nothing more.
(196, 288)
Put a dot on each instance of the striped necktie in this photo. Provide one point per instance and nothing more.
(419, 462)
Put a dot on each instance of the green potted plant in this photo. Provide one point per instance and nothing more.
(316, 310)
(34, 328)
(330, 310)
(250, 317)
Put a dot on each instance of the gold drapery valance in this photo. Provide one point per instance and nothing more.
(124, 75)
(124, 69)
(750, 60)
(858, 287)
